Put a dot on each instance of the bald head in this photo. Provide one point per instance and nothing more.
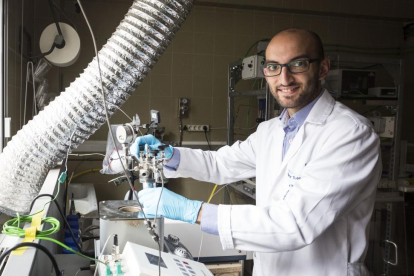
(305, 38)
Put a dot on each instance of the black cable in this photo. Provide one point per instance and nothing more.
(66, 222)
(29, 42)
(54, 17)
(37, 246)
(46, 53)
(208, 143)
(89, 238)
(65, 195)
(62, 13)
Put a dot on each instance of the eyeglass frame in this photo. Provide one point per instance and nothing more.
(286, 65)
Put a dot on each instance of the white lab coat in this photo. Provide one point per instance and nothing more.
(313, 208)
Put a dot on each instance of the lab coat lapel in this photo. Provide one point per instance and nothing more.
(318, 115)
(276, 152)
(294, 147)
(278, 137)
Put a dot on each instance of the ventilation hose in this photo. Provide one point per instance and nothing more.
(127, 57)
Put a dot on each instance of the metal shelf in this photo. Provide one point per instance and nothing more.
(389, 202)
(234, 76)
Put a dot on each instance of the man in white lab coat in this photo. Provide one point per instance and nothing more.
(317, 167)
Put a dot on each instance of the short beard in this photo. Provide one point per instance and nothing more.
(310, 92)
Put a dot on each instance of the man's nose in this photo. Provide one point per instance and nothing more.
(286, 77)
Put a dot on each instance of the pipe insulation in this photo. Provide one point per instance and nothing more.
(127, 57)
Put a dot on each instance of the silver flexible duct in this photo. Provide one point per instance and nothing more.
(140, 39)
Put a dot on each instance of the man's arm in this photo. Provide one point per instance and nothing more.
(228, 164)
(342, 176)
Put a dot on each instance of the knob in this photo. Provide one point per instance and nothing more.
(173, 239)
(181, 252)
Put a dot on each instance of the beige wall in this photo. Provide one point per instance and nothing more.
(195, 64)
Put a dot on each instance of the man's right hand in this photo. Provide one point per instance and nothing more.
(153, 144)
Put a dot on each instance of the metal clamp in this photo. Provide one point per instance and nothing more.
(396, 254)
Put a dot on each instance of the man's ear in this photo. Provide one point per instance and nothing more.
(324, 68)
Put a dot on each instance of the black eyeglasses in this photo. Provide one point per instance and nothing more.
(294, 67)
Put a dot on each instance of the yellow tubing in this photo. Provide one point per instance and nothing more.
(212, 193)
(85, 172)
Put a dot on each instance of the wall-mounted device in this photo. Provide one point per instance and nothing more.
(384, 126)
(383, 92)
(182, 108)
(252, 67)
(350, 82)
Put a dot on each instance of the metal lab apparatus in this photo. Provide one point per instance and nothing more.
(122, 217)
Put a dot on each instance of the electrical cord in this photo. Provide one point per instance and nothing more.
(117, 107)
(64, 219)
(54, 45)
(25, 93)
(43, 54)
(148, 223)
(54, 17)
(65, 195)
(62, 13)
(208, 201)
(86, 154)
(105, 107)
(208, 142)
(155, 217)
(90, 228)
(103, 250)
(12, 226)
(251, 47)
(71, 250)
(67, 152)
(37, 246)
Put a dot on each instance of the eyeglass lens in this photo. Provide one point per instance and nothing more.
(295, 66)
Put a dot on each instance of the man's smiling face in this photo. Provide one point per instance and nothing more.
(295, 90)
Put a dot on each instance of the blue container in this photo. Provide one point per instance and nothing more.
(73, 221)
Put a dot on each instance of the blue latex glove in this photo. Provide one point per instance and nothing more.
(152, 143)
(172, 205)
